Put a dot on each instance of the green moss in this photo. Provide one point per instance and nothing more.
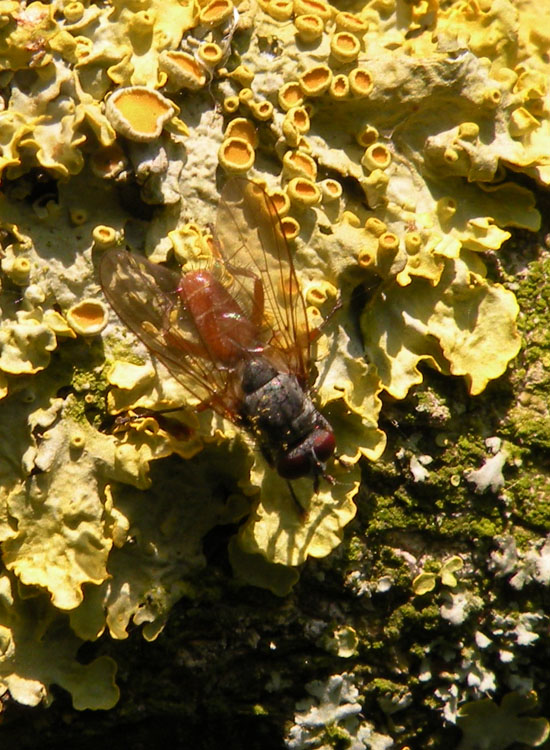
(384, 686)
(530, 424)
(532, 506)
(354, 549)
(336, 737)
(409, 619)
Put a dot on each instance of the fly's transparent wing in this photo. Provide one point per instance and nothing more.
(145, 297)
(258, 274)
(254, 250)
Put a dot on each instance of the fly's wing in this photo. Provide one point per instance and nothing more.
(253, 247)
(145, 297)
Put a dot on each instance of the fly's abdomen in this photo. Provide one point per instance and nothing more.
(223, 328)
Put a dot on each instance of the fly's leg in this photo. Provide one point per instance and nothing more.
(195, 349)
(316, 332)
(259, 303)
(258, 299)
(300, 510)
(322, 475)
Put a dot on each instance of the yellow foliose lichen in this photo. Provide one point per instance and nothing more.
(387, 138)
(40, 649)
(25, 343)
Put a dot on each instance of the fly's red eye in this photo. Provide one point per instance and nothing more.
(294, 465)
(304, 459)
(323, 445)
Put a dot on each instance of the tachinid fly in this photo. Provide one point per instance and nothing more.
(234, 330)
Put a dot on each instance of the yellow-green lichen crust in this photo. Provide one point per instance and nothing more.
(389, 136)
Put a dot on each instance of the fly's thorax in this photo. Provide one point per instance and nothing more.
(275, 406)
(296, 438)
(257, 372)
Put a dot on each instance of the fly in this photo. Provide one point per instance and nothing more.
(234, 332)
